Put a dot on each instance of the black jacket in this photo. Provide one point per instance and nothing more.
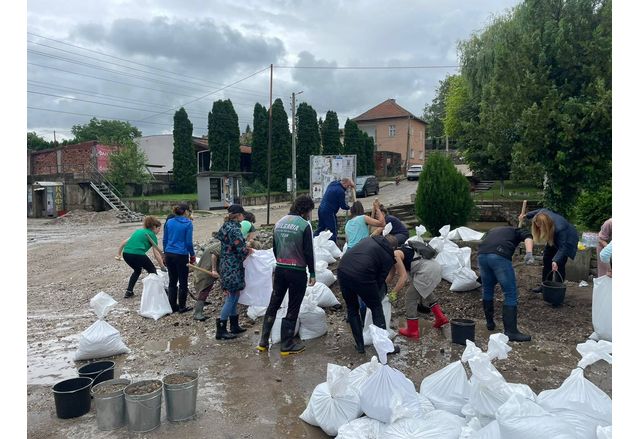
(369, 260)
(503, 241)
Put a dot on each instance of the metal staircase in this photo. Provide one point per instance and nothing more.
(108, 192)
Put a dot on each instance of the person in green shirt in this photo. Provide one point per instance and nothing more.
(134, 251)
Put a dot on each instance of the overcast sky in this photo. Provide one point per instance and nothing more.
(141, 60)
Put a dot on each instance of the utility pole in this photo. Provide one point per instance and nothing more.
(269, 147)
(406, 162)
(294, 180)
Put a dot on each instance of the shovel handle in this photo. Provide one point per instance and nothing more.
(522, 212)
(195, 267)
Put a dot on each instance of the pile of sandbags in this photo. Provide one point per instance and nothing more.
(455, 261)
(452, 405)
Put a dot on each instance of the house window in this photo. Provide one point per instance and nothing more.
(412, 153)
(422, 155)
(392, 130)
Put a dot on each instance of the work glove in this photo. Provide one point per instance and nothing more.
(192, 260)
(393, 296)
(528, 258)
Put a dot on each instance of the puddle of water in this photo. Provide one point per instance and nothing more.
(178, 344)
(51, 361)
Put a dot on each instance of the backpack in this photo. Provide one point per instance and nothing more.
(425, 251)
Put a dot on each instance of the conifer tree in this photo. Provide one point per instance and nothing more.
(185, 165)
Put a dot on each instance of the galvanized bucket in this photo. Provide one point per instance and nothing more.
(111, 413)
(143, 411)
(181, 398)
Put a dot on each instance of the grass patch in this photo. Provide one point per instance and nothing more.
(512, 191)
(166, 197)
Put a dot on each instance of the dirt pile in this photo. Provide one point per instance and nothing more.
(80, 216)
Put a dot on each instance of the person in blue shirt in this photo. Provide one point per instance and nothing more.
(332, 201)
(177, 244)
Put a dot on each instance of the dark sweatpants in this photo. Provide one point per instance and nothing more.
(295, 281)
(137, 262)
(368, 291)
(178, 272)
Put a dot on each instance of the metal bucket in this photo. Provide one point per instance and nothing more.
(111, 413)
(181, 398)
(143, 411)
(553, 292)
(462, 330)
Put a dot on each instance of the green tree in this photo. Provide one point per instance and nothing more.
(307, 141)
(224, 137)
(106, 131)
(330, 134)
(185, 164)
(127, 165)
(36, 142)
(443, 195)
(369, 153)
(259, 143)
(354, 144)
(280, 147)
(434, 113)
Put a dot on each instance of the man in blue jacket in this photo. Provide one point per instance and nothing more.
(332, 201)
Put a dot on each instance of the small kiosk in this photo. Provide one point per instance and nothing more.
(218, 190)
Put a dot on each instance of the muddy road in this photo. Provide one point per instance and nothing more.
(241, 393)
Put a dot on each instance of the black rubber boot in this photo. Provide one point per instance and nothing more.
(198, 313)
(488, 314)
(267, 324)
(510, 320)
(128, 294)
(537, 289)
(287, 345)
(356, 330)
(234, 326)
(221, 330)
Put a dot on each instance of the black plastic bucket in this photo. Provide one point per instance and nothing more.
(462, 330)
(72, 397)
(553, 292)
(99, 371)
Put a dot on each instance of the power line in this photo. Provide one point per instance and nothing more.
(365, 67)
(133, 62)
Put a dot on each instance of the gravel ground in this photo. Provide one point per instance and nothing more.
(243, 394)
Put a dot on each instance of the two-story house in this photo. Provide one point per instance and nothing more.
(396, 130)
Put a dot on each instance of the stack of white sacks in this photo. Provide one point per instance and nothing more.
(312, 319)
(450, 405)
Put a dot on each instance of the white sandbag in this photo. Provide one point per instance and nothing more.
(465, 234)
(464, 279)
(584, 426)
(368, 320)
(604, 432)
(449, 263)
(165, 278)
(277, 325)
(322, 295)
(426, 406)
(154, 302)
(601, 315)
(313, 320)
(258, 271)
(333, 249)
(323, 254)
(489, 431)
(333, 403)
(361, 428)
(98, 341)
(361, 374)
(438, 424)
(420, 230)
(253, 312)
(448, 388)
(521, 418)
(387, 394)
(325, 277)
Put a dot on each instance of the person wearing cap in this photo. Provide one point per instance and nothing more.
(177, 243)
(332, 201)
(293, 249)
(233, 251)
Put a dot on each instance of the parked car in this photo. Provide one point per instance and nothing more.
(413, 173)
(367, 185)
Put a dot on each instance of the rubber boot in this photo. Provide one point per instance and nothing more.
(198, 313)
(128, 294)
(267, 324)
(412, 330)
(356, 329)
(441, 319)
(221, 330)
(234, 326)
(287, 345)
(510, 320)
(487, 305)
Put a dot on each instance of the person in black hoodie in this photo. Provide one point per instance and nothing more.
(362, 273)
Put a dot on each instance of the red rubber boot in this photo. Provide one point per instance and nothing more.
(441, 319)
(412, 330)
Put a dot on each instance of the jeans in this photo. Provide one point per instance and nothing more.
(178, 272)
(137, 262)
(498, 269)
(230, 307)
